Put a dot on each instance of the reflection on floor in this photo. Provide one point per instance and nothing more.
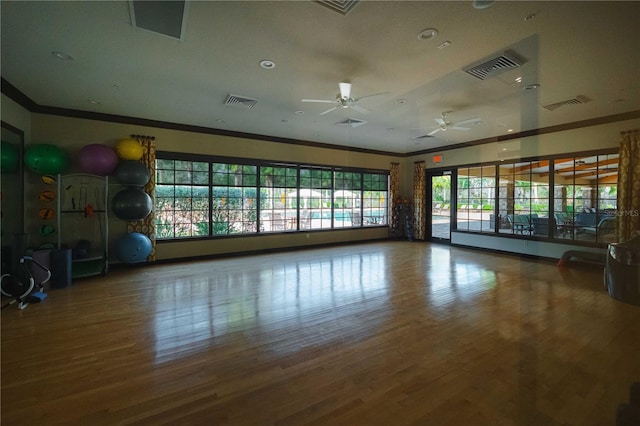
(441, 229)
(389, 333)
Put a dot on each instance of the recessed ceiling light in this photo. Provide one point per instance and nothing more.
(509, 130)
(530, 17)
(401, 101)
(482, 4)
(93, 101)
(299, 112)
(427, 34)
(518, 79)
(267, 64)
(531, 86)
(62, 56)
(220, 120)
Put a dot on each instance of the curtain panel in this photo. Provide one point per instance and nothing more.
(628, 198)
(147, 225)
(394, 189)
(419, 200)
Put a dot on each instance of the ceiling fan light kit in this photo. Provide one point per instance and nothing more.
(344, 99)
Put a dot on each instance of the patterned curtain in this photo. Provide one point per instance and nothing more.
(628, 222)
(419, 200)
(147, 225)
(394, 190)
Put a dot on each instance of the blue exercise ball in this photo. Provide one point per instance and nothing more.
(133, 248)
(131, 204)
(133, 173)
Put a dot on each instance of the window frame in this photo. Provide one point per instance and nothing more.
(307, 177)
(551, 199)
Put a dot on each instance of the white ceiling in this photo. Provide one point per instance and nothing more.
(590, 49)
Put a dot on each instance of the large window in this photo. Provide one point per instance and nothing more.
(374, 199)
(585, 197)
(569, 197)
(182, 199)
(523, 198)
(234, 208)
(476, 198)
(279, 198)
(208, 198)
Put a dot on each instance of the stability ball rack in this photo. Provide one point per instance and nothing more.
(83, 222)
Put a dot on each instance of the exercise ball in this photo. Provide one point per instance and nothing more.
(46, 159)
(129, 149)
(131, 172)
(98, 159)
(131, 204)
(10, 158)
(133, 248)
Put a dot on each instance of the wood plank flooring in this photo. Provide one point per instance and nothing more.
(385, 333)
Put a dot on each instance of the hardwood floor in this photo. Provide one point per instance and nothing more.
(385, 333)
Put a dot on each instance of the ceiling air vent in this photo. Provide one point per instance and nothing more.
(573, 101)
(351, 122)
(341, 6)
(240, 101)
(168, 18)
(495, 66)
(422, 137)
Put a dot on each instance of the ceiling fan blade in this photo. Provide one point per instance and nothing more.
(440, 122)
(433, 132)
(371, 95)
(459, 128)
(328, 111)
(345, 90)
(360, 109)
(323, 101)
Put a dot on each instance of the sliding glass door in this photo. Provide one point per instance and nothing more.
(440, 201)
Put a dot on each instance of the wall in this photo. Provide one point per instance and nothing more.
(17, 116)
(74, 133)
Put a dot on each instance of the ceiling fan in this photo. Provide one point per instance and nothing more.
(344, 100)
(444, 125)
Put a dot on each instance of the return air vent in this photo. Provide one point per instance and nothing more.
(240, 101)
(351, 122)
(495, 66)
(573, 101)
(341, 6)
(168, 18)
(427, 136)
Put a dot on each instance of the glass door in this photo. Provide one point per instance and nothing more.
(440, 202)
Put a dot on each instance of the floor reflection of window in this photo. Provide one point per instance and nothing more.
(189, 314)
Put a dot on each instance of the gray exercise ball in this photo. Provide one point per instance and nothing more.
(131, 204)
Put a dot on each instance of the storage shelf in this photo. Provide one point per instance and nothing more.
(88, 268)
(75, 192)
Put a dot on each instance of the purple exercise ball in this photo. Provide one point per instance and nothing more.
(98, 159)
